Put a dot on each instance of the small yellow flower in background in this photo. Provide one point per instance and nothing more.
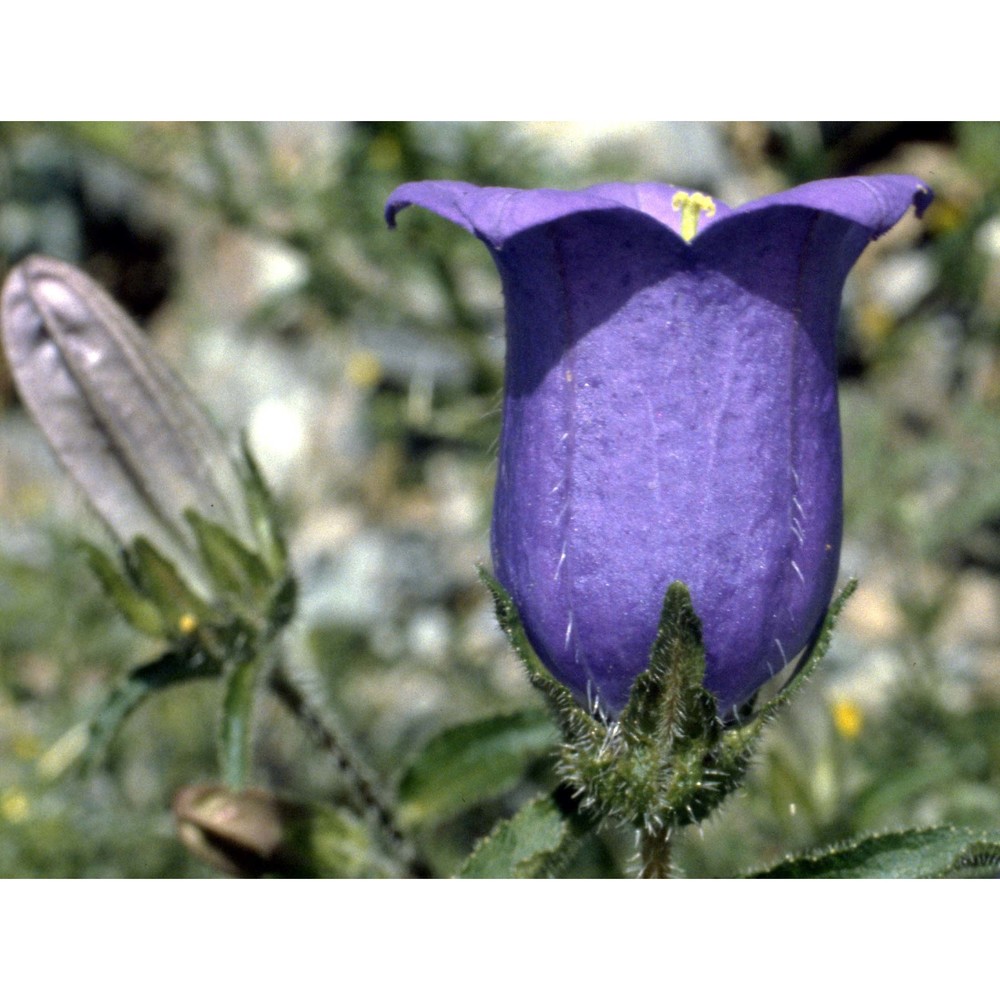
(363, 369)
(945, 216)
(26, 746)
(14, 805)
(848, 718)
(385, 153)
(187, 624)
(875, 322)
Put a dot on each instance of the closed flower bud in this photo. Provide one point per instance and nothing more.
(116, 416)
(254, 832)
(670, 414)
(195, 524)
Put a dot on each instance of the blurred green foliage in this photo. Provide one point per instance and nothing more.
(368, 365)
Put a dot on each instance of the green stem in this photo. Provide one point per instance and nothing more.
(237, 723)
(326, 732)
(654, 849)
(172, 668)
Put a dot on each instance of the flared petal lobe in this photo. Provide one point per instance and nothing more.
(496, 215)
(670, 413)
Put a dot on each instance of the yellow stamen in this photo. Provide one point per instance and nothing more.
(187, 623)
(691, 205)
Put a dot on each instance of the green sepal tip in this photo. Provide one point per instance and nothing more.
(156, 576)
(265, 515)
(139, 611)
(234, 570)
(575, 722)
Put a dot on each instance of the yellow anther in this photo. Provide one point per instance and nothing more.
(187, 623)
(691, 205)
(847, 718)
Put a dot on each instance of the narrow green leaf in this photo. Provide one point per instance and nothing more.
(140, 612)
(472, 762)
(531, 844)
(940, 852)
(178, 666)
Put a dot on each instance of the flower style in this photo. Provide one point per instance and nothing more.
(670, 414)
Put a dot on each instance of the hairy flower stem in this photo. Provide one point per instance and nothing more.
(325, 731)
(654, 850)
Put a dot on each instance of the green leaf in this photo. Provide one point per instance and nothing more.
(940, 852)
(333, 843)
(178, 666)
(282, 607)
(472, 762)
(531, 844)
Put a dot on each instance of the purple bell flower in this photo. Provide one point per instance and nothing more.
(670, 413)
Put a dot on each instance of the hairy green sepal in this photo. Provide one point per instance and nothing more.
(668, 759)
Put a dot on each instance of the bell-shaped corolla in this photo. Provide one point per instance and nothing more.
(670, 414)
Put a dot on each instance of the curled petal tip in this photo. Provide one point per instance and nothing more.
(392, 207)
(922, 197)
